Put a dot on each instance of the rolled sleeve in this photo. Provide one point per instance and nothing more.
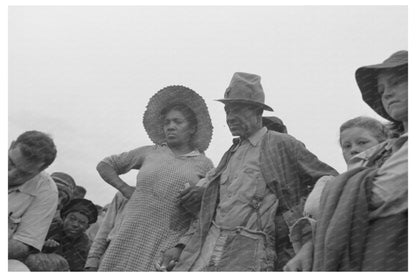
(35, 222)
(102, 239)
(124, 162)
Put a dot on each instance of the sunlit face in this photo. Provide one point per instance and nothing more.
(241, 119)
(21, 169)
(355, 140)
(177, 129)
(75, 223)
(393, 89)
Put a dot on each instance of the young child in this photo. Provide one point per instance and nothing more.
(359, 134)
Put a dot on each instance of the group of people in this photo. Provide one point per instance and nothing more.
(269, 205)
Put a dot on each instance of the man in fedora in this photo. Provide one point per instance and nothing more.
(253, 196)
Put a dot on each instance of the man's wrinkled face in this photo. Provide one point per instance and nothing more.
(75, 223)
(242, 119)
(21, 169)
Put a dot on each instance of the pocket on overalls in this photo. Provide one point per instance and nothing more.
(243, 251)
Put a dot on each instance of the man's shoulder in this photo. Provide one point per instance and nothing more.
(39, 184)
(46, 183)
(273, 135)
(275, 138)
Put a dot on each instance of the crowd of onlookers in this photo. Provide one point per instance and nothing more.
(269, 205)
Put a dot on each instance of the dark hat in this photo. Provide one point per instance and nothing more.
(274, 123)
(65, 183)
(245, 88)
(84, 206)
(366, 77)
(178, 95)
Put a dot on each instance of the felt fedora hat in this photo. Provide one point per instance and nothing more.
(171, 95)
(245, 88)
(366, 78)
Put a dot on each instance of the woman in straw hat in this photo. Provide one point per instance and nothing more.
(363, 215)
(177, 121)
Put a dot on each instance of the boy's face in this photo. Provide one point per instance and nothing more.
(75, 223)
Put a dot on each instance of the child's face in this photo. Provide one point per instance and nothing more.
(75, 224)
(355, 140)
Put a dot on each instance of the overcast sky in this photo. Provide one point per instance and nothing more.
(85, 74)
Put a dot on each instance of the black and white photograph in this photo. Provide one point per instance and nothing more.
(207, 137)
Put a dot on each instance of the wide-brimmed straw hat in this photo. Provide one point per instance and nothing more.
(366, 77)
(245, 88)
(169, 96)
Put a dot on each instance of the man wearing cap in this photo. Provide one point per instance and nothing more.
(254, 195)
(66, 185)
(33, 196)
(69, 239)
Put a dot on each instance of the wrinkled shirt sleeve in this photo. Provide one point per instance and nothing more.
(124, 162)
(102, 239)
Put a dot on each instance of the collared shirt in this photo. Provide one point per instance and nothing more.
(32, 207)
(239, 182)
(108, 230)
(390, 190)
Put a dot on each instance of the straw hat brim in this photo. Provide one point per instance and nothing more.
(178, 94)
(366, 78)
(245, 101)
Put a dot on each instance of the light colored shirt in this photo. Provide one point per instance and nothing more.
(107, 231)
(32, 207)
(239, 182)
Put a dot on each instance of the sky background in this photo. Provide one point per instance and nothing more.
(85, 74)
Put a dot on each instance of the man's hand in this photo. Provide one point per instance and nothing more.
(50, 243)
(303, 259)
(190, 198)
(169, 259)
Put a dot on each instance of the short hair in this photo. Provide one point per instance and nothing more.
(37, 147)
(378, 129)
(187, 112)
(79, 192)
(46, 262)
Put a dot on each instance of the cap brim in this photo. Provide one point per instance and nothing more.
(245, 101)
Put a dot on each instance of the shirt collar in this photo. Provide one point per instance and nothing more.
(193, 153)
(367, 154)
(255, 138)
(29, 187)
(397, 143)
